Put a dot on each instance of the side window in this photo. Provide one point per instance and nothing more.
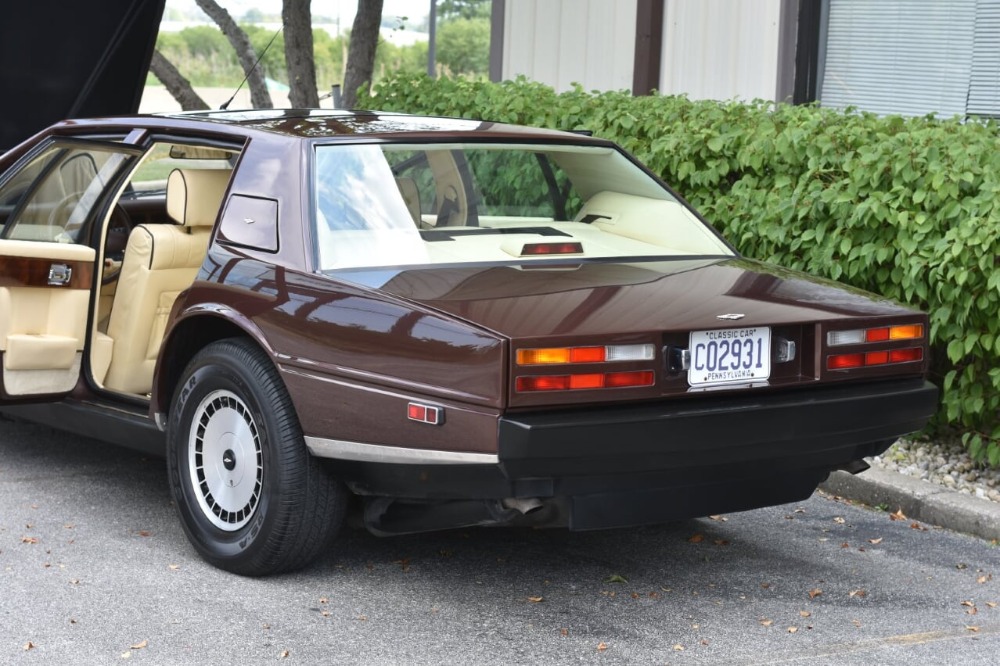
(51, 197)
(150, 178)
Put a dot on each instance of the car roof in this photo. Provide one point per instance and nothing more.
(320, 123)
(329, 124)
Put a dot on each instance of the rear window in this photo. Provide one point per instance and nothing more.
(405, 205)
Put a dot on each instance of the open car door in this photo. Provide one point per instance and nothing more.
(53, 205)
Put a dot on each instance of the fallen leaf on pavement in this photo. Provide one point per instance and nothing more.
(875, 542)
(697, 538)
(602, 646)
(616, 578)
(29, 646)
(968, 603)
(804, 613)
(766, 622)
(972, 629)
(792, 630)
(140, 645)
(991, 604)
(564, 632)
(720, 519)
(899, 515)
(858, 593)
(983, 579)
(536, 600)
(815, 592)
(839, 520)
(678, 648)
(917, 526)
(29, 539)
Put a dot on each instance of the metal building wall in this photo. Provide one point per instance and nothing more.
(721, 49)
(561, 42)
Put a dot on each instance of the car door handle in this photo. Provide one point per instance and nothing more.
(59, 275)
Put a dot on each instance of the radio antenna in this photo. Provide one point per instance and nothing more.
(252, 69)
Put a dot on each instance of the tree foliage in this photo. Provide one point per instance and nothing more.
(905, 207)
(449, 10)
(464, 46)
(204, 57)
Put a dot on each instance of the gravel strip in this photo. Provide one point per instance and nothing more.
(946, 463)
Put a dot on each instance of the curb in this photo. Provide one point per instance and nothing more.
(919, 500)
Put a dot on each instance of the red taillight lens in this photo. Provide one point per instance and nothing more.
(907, 355)
(543, 383)
(876, 335)
(586, 355)
(844, 361)
(847, 361)
(591, 380)
(876, 358)
(624, 379)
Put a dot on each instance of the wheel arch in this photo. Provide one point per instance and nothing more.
(192, 333)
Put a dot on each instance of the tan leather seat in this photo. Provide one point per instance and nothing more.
(161, 260)
(411, 197)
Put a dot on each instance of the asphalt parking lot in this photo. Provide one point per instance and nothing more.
(94, 568)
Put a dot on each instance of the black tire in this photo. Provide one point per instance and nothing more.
(251, 498)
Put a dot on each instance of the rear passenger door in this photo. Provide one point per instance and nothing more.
(52, 207)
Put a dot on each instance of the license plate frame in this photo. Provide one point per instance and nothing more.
(729, 356)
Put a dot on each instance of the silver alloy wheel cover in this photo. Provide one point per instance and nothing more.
(225, 462)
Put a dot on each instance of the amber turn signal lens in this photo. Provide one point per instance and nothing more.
(910, 332)
(543, 356)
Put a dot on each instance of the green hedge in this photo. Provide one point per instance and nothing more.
(905, 207)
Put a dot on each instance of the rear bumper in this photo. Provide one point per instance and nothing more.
(673, 460)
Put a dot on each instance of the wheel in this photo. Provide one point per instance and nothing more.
(251, 498)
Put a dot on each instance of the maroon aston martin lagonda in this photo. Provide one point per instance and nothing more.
(443, 322)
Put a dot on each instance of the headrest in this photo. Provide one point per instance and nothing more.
(194, 196)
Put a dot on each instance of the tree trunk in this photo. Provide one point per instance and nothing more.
(297, 18)
(260, 98)
(176, 84)
(361, 54)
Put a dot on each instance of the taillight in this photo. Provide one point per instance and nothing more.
(608, 353)
(594, 377)
(880, 336)
(582, 381)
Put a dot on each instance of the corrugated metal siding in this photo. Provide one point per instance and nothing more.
(984, 83)
(909, 57)
(561, 42)
(721, 49)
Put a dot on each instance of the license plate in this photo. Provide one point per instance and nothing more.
(731, 355)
